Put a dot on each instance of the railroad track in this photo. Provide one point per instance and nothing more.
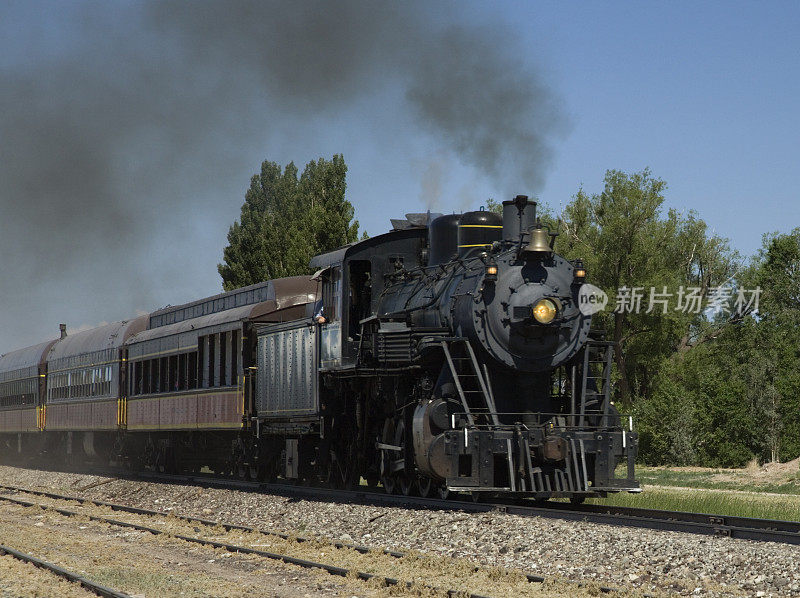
(86, 583)
(697, 523)
(744, 528)
(233, 548)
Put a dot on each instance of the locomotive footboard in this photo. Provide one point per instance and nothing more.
(543, 462)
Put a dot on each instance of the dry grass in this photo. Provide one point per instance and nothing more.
(22, 580)
(425, 571)
(778, 478)
(770, 491)
(146, 565)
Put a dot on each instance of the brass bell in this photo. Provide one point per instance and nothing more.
(539, 243)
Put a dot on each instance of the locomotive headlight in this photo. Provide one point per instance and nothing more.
(545, 311)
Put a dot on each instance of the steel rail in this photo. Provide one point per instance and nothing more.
(187, 518)
(227, 526)
(743, 528)
(233, 548)
(748, 528)
(90, 585)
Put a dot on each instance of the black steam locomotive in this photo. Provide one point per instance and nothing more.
(452, 356)
(449, 354)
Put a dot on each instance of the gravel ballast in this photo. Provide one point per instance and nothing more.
(627, 558)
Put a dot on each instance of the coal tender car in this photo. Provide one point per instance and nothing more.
(449, 354)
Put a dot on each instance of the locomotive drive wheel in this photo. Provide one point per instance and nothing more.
(426, 486)
(387, 479)
(340, 470)
(393, 463)
(406, 485)
(406, 482)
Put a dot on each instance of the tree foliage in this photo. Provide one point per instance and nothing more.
(629, 244)
(715, 389)
(773, 351)
(286, 219)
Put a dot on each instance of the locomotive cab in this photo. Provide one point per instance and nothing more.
(352, 279)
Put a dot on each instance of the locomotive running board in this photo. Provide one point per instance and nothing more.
(479, 489)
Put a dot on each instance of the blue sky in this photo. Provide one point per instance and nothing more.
(704, 94)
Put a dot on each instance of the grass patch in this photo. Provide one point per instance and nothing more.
(739, 504)
(717, 479)
(134, 579)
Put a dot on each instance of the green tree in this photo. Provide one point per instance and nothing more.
(629, 246)
(735, 394)
(773, 360)
(286, 220)
(698, 412)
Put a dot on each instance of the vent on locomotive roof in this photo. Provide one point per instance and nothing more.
(414, 220)
(257, 293)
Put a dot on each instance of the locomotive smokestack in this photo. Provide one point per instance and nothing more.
(519, 216)
(63, 329)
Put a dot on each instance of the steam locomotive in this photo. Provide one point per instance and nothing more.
(449, 354)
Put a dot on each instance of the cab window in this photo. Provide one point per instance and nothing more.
(360, 295)
(332, 293)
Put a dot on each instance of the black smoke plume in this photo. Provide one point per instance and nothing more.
(114, 118)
